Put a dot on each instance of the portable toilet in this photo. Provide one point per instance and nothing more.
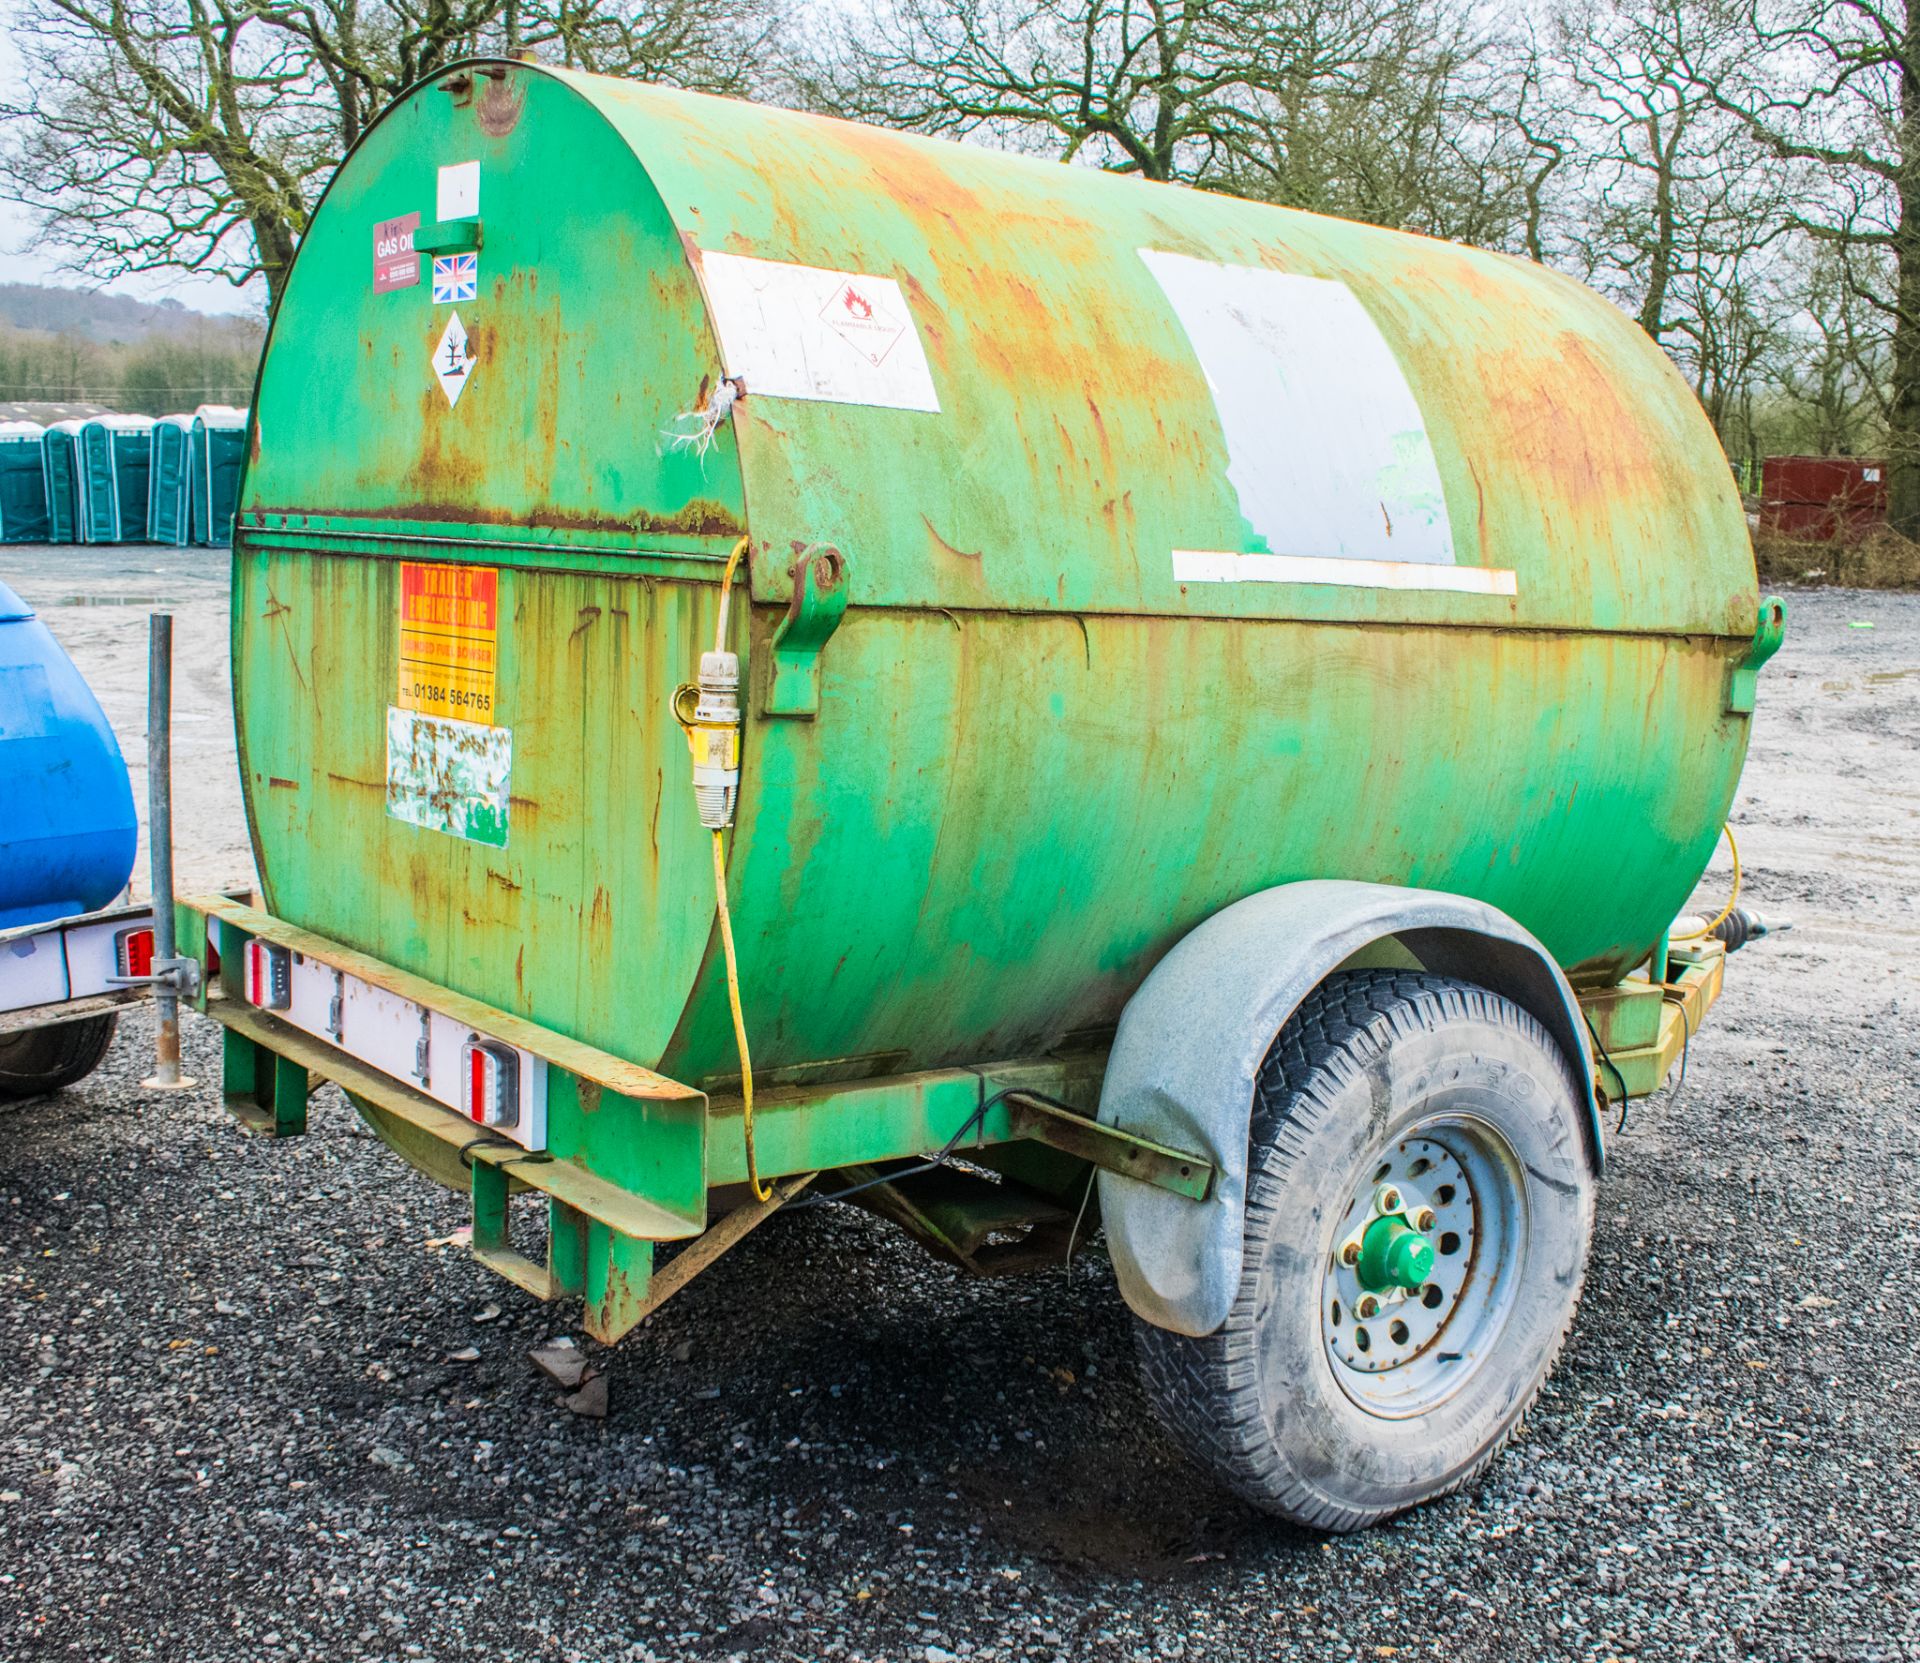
(115, 458)
(170, 486)
(60, 468)
(219, 441)
(23, 484)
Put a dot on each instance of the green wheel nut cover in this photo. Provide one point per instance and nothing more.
(1393, 1255)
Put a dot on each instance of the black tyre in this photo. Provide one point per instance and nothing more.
(1336, 1401)
(41, 1060)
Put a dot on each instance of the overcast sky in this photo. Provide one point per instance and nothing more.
(18, 264)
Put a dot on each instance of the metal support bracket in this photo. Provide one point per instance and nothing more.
(1111, 1149)
(182, 975)
(447, 236)
(1768, 632)
(813, 614)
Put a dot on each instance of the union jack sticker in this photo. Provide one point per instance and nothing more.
(455, 277)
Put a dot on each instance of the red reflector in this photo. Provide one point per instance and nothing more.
(269, 978)
(134, 951)
(493, 1082)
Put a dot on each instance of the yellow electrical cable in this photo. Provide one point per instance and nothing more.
(761, 1192)
(1722, 915)
(726, 590)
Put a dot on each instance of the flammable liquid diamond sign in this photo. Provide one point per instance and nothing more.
(452, 362)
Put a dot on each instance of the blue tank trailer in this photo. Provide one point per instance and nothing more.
(70, 956)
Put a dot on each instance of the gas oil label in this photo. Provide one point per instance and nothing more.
(395, 265)
(449, 639)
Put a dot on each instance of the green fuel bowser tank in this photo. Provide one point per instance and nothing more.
(1154, 612)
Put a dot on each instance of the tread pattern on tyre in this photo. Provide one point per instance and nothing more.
(1207, 1389)
(41, 1060)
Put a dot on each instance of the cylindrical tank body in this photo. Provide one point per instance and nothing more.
(1191, 546)
(67, 826)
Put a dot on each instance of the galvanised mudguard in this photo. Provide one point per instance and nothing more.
(1193, 1038)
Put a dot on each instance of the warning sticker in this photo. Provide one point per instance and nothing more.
(455, 277)
(861, 319)
(449, 639)
(395, 265)
(805, 332)
(452, 362)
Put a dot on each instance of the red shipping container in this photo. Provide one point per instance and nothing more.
(1820, 498)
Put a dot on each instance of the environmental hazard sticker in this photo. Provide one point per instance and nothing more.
(452, 777)
(452, 360)
(449, 639)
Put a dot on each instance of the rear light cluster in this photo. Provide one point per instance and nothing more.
(490, 1076)
(486, 1081)
(133, 951)
(269, 976)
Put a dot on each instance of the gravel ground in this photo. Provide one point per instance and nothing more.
(236, 1423)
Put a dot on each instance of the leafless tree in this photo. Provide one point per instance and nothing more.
(195, 135)
(1833, 87)
(1347, 106)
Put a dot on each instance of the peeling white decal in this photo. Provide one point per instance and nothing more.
(1205, 566)
(801, 332)
(1326, 446)
(449, 776)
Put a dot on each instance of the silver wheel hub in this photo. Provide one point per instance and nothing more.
(1399, 1350)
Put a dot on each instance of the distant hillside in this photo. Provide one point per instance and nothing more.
(114, 320)
(66, 346)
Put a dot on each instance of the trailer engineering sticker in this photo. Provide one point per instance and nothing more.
(1327, 449)
(804, 332)
(451, 777)
(449, 639)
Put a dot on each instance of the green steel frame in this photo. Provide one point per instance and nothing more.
(636, 1159)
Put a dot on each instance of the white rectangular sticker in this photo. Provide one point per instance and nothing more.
(449, 776)
(802, 332)
(458, 196)
(1326, 447)
(1203, 566)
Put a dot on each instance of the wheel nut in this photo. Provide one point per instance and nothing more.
(1389, 1200)
(1350, 1254)
(1368, 1306)
(1426, 1219)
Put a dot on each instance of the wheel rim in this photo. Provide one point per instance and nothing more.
(1455, 1183)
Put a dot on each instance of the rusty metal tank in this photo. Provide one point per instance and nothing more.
(1115, 550)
